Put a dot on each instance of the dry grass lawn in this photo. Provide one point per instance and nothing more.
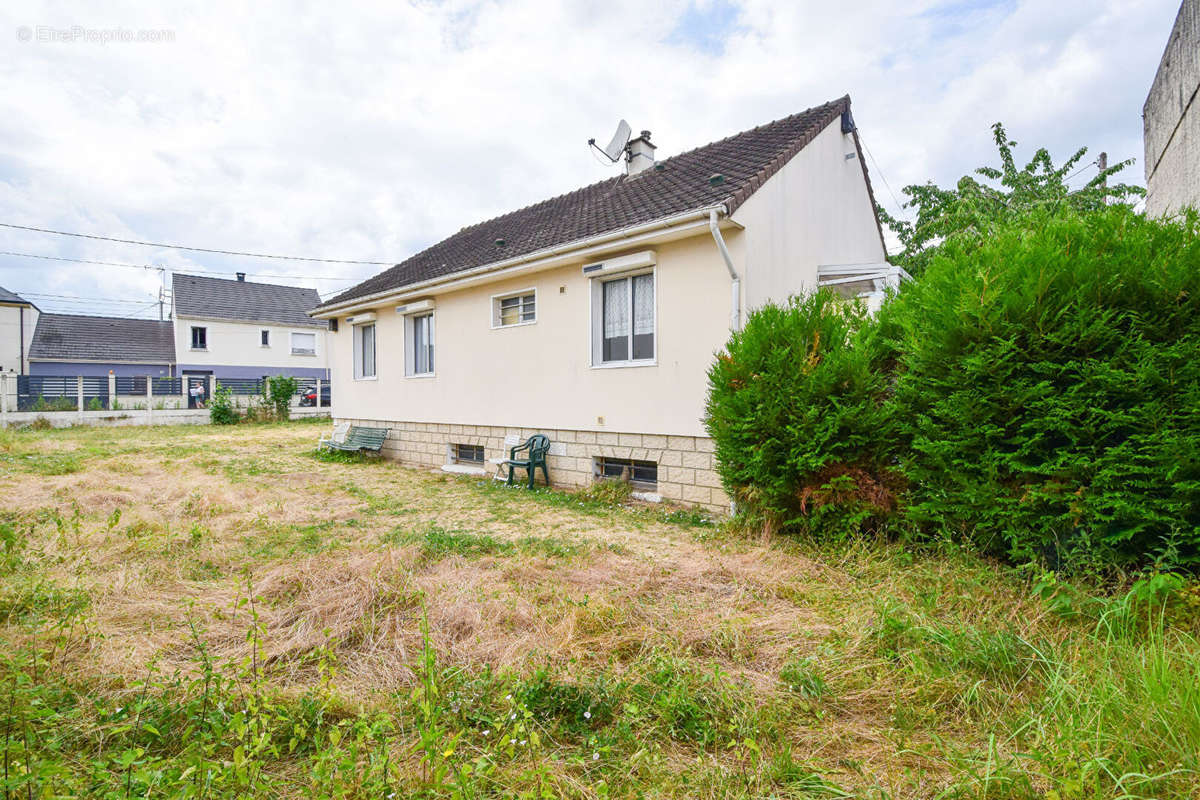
(192, 612)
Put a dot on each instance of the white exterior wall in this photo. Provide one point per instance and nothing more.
(10, 336)
(238, 344)
(540, 375)
(815, 211)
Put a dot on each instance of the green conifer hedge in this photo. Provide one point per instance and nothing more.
(1036, 394)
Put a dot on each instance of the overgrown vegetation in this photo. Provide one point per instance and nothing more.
(221, 409)
(200, 612)
(1034, 394)
(278, 391)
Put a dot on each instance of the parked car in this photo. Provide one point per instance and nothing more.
(308, 395)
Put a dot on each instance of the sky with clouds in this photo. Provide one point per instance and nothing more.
(367, 131)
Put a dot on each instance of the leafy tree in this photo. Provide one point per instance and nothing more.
(976, 209)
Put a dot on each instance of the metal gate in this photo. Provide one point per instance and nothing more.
(197, 391)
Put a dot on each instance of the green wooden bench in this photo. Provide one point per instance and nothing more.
(360, 438)
(537, 446)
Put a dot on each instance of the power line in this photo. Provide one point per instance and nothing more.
(79, 297)
(153, 267)
(194, 249)
(900, 206)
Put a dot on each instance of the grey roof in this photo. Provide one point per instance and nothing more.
(9, 297)
(683, 183)
(243, 301)
(74, 337)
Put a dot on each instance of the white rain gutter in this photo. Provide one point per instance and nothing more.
(550, 254)
(735, 286)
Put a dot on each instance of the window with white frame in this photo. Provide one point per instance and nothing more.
(199, 338)
(623, 319)
(419, 352)
(519, 308)
(364, 351)
(304, 344)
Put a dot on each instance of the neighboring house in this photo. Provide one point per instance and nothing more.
(594, 317)
(72, 344)
(239, 329)
(1171, 118)
(18, 319)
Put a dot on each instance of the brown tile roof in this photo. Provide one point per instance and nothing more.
(745, 160)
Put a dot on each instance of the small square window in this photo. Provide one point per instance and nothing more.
(514, 309)
(266, 339)
(642, 474)
(467, 453)
(199, 338)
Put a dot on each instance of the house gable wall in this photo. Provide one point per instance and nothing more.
(10, 336)
(815, 211)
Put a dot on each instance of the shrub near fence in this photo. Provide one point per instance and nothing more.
(1038, 394)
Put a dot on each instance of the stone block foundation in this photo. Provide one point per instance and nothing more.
(686, 469)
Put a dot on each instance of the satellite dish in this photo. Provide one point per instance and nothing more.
(617, 146)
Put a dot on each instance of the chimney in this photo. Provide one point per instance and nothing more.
(639, 154)
(241, 276)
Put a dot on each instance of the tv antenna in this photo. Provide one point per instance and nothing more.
(617, 146)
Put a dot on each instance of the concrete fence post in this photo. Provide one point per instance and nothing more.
(149, 400)
(112, 390)
(79, 396)
(212, 390)
(183, 391)
(319, 382)
(3, 399)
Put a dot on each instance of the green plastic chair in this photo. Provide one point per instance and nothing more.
(537, 445)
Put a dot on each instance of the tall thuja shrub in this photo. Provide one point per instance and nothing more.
(795, 409)
(1050, 388)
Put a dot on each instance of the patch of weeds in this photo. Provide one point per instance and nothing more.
(689, 705)
(139, 529)
(342, 456)
(47, 463)
(552, 546)
(376, 504)
(607, 491)
(802, 677)
(200, 506)
(577, 708)
(197, 533)
(204, 570)
(436, 542)
(937, 648)
(239, 469)
(39, 598)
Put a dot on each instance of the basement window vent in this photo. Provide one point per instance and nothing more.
(643, 475)
(467, 454)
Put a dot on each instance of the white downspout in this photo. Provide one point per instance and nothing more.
(735, 286)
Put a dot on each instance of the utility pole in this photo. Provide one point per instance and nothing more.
(1102, 163)
(162, 291)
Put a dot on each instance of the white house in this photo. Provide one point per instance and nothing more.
(242, 329)
(593, 317)
(18, 320)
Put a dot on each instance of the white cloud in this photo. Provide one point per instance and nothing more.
(369, 131)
